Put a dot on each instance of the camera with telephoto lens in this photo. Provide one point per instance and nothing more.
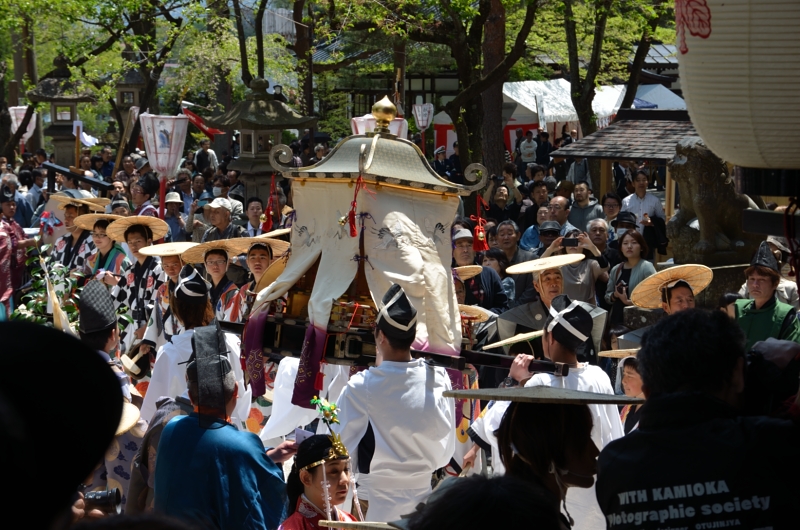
(108, 501)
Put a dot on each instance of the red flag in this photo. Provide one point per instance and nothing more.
(198, 122)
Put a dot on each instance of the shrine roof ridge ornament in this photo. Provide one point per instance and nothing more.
(379, 157)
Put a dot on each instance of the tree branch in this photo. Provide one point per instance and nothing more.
(262, 6)
(639, 58)
(503, 67)
(246, 75)
(331, 67)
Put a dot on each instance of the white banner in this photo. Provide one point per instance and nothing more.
(17, 114)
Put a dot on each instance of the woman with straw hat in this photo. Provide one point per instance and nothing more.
(109, 258)
(74, 248)
(214, 255)
(260, 253)
(137, 286)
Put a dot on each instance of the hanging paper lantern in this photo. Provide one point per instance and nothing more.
(739, 66)
(164, 137)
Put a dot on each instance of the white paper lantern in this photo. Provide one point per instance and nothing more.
(739, 65)
(366, 124)
(164, 138)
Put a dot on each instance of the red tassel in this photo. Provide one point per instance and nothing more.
(352, 220)
(479, 243)
(266, 223)
(351, 216)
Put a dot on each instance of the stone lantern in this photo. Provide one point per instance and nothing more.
(260, 119)
(129, 88)
(63, 94)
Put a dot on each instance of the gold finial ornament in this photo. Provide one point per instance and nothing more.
(384, 112)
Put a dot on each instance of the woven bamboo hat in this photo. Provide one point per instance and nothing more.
(543, 264)
(64, 201)
(242, 245)
(356, 525)
(116, 230)
(277, 233)
(648, 293)
(167, 249)
(197, 254)
(87, 221)
(474, 313)
(520, 337)
(543, 394)
(130, 415)
(466, 272)
(271, 274)
(619, 354)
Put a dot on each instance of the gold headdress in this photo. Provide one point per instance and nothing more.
(328, 414)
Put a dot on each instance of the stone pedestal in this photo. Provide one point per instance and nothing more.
(63, 145)
(636, 317)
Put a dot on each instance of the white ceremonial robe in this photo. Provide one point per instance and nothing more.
(414, 430)
(169, 376)
(606, 427)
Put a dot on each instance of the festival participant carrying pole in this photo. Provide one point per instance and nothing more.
(164, 137)
(423, 114)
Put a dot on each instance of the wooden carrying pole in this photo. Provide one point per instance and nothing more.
(123, 140)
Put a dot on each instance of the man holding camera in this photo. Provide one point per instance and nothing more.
(693, 461)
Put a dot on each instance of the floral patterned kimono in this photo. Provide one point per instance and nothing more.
(73, 257)
(136, 290)
(227, 295)
(162, 324)
(307, 516)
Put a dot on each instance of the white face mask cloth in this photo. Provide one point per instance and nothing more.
(217, 192)
(620, 231)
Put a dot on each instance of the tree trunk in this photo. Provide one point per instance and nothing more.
(400, 77)
(29, 43)
(638, 59)
(5, 116)
(493, 53)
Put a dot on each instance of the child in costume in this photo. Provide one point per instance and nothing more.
(320, 478)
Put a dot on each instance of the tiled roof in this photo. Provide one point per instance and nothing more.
(633, 139)
(661, 56)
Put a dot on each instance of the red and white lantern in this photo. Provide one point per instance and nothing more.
(164, 138)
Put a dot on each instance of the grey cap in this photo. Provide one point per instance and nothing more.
(549, 226)
(462, 234)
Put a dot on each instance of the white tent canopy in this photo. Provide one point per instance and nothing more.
(658, 95)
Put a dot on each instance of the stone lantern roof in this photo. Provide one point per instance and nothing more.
(260, 111)
(379, 157)
(59, 87)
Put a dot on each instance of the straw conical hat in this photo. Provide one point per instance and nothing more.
(465, 272)
(543, 264)
(101, 201)
(648, 293)
(130, 415)
(618, 354)
(197, 254)
(277, 233)
(87, 221)
(521, 337)
(242, 245)
(474, 312)
(64, 201)
(116, 230)
(543, 394)
(167, 249)
(271, 274)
